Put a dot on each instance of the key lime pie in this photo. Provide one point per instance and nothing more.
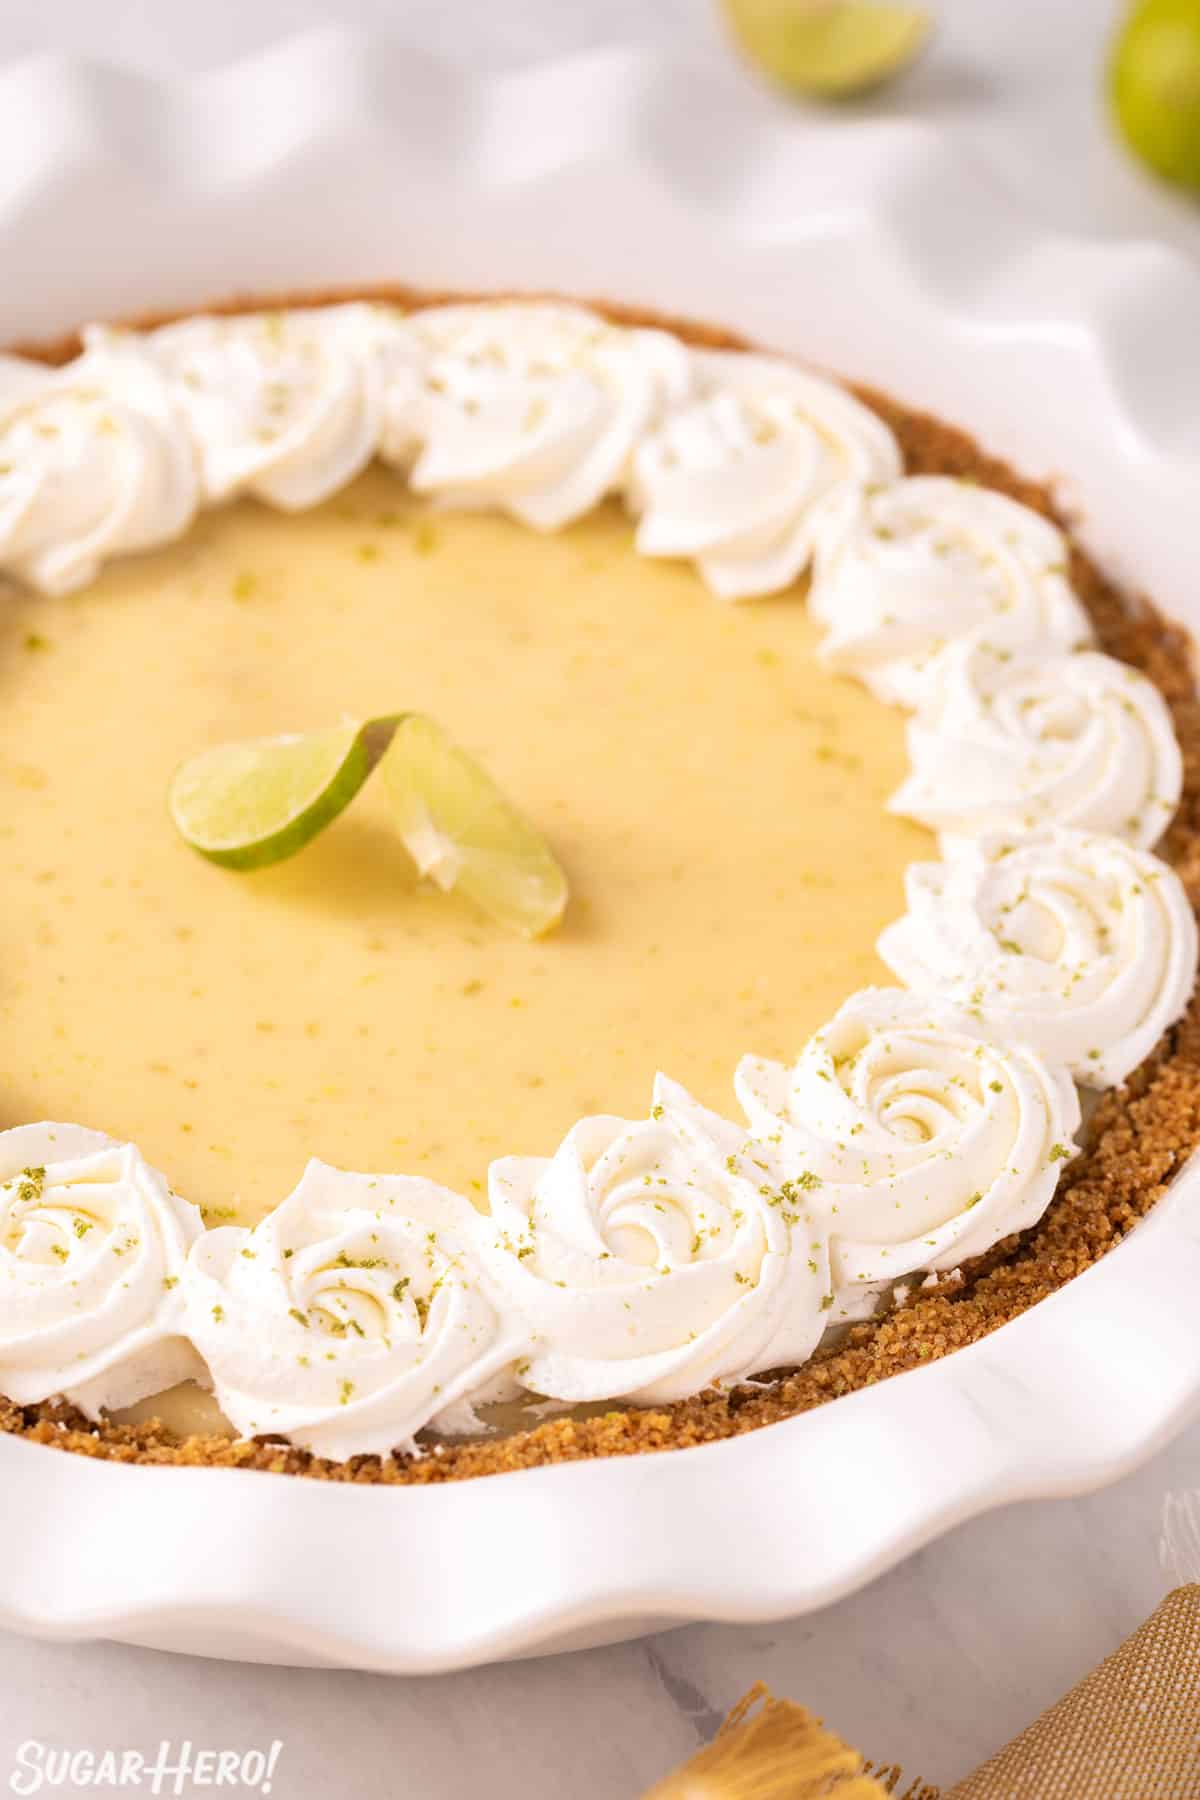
(703, 826)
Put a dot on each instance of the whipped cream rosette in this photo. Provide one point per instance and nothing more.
(290, 405)
(94, 461)
(93, 1250)
(351, 1317)
(1078, 945)
(1010, 740)
(921, 1141)
(765, 465)
(653, 1259)
(534, 409)
(928, 560)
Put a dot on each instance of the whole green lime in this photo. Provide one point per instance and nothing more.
(1154, 83)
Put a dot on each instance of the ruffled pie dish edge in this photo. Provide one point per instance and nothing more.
(1138, 1137)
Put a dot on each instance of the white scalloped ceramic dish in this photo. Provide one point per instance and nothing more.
(873, 250)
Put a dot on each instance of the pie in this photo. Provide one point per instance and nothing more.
(583, 542)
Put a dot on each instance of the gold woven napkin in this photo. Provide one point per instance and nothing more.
(771, 1749)
(1129, 1731)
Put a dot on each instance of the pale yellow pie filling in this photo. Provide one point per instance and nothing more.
(715, 797)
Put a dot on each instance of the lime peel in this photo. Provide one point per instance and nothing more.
(831, 49)
(245, 806)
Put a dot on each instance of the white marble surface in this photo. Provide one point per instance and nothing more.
(937, 1663)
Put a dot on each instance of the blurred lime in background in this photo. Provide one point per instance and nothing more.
(1154, 85)
(830, 49)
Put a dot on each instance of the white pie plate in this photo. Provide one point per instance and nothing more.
(871, 248)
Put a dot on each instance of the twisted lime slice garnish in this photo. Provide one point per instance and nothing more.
(464, 834)
(247, 805)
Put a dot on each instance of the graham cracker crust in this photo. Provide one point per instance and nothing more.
(1139, 1136)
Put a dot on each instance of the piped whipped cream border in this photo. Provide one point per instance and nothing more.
(646, 1260)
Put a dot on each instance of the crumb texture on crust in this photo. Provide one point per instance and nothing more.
(1140, 1135)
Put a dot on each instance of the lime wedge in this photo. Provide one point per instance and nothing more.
(830, 48)
(247, 805)
(463, 833)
